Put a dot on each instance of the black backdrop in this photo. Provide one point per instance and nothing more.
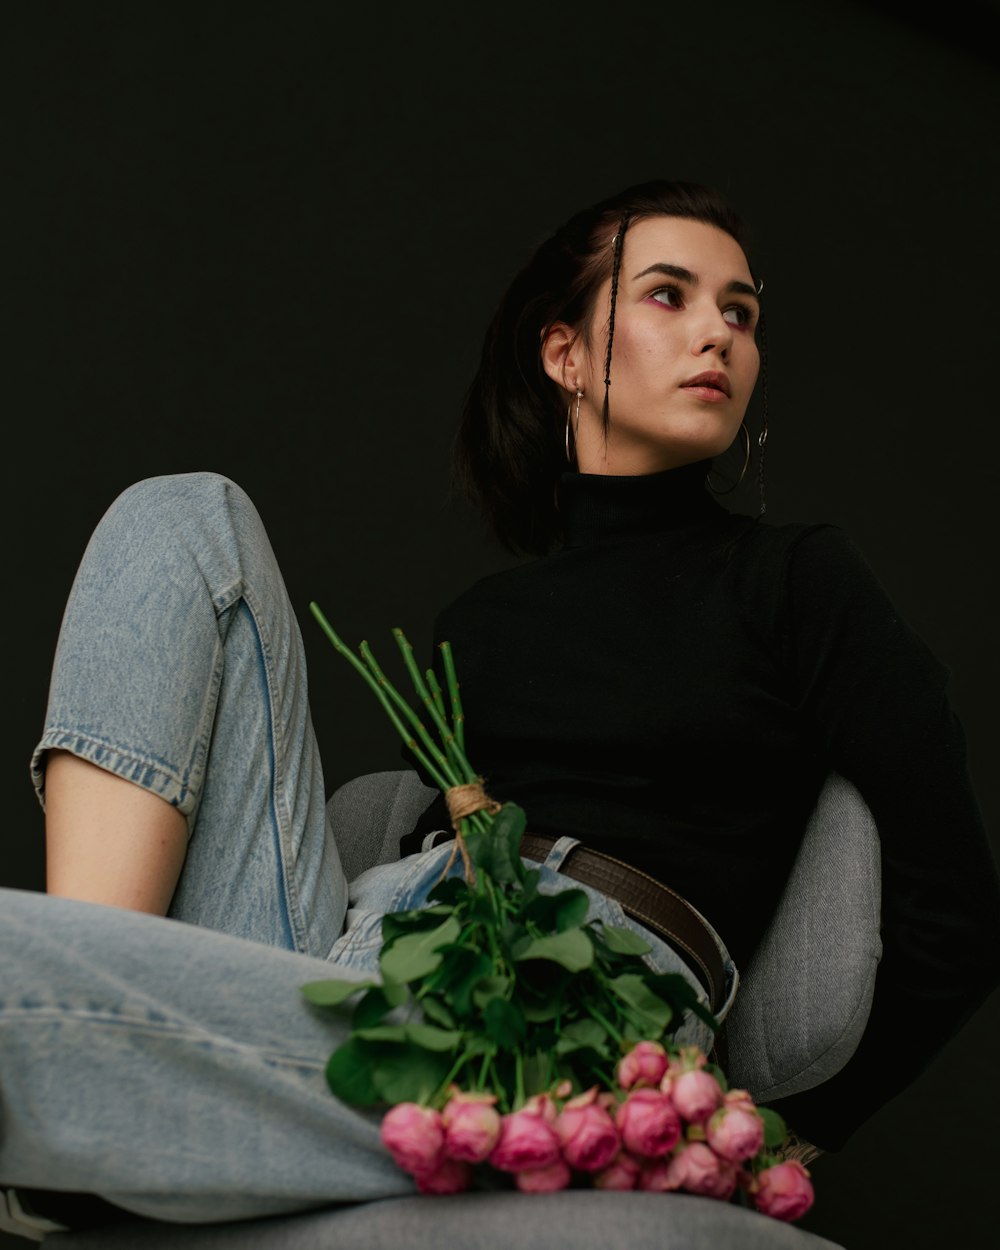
(265, 240)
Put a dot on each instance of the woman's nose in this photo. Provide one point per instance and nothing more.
(713, 333)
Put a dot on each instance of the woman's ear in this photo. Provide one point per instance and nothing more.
(561, 356)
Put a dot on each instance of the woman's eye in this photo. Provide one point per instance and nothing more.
(669, 296)
(737, 315)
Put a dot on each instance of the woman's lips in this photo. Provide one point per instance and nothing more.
(711, 386)
(710, 394)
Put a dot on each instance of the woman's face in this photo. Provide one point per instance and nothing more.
(684, 360)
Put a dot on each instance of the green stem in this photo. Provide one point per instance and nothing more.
(456, 1068)
(605, 1024)
(455, 752)
(519, 1078)
(401, 729)
(440, 758)
(496, 954)
(451, 677)
(435, 688)
(420, 686)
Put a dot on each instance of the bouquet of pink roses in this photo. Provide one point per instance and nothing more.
(510, 1034)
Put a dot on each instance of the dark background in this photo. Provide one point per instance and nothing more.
(265, 240)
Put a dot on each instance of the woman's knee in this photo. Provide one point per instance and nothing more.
(173, 502)
(178, 526)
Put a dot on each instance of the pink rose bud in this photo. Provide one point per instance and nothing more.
(587, 1133)
(527, 1140)
(471, 1126)
(645, 1062)
(736, 1131)
(659, 1177)
(544, 1180)
(648, 1123)
(699, 1170)
(784, 1191)
(687, 1059)
(696, 1095)
(622, 1173)
(413, 1136)
(451, 1176)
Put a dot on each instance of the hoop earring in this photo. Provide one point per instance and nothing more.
(571, 455)
(762, 444)
(762, 436)
(728, 490)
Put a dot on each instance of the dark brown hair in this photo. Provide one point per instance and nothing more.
(510, 448)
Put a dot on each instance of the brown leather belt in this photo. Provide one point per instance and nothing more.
(647, 900)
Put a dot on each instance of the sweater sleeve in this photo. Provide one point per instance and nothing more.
(874, 697)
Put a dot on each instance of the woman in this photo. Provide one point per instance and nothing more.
(670, 686)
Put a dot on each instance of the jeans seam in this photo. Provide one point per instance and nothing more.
(292, 904)
(149, 1028)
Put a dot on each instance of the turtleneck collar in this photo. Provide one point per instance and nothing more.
(596, 507)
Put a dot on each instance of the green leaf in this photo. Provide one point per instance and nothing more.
(452, 891)
(681, 994)
(376, 1004)
(489, 988)
(409, 1073)
(333, 993)
(479, 844)
(430, 1038)
(566, 909)
(573, 950)
(624, 941)
(396, 992)
(512, 933)
(350, 1073)
(538, 1010)
(479, 910)
(382, 1033)
(775, 1129)
(416, 954)
(508, 829)
(397, 924)
(637, 1032)
(566, 1046)
(585, 1032)
(437, 1011)
(703, 1013)
(537, 1072)
(479, 1046)
(529, 884)
(634, 991)
(504, 1023)
(672, 987)
(460, 972)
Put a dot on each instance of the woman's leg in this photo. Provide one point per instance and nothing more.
(180, 669)
(175, 1071)
(108, 840)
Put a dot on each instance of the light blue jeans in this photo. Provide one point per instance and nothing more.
(174, 1070)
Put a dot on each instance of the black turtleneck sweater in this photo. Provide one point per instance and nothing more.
(672, 687)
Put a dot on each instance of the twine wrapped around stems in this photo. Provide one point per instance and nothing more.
(463, 801)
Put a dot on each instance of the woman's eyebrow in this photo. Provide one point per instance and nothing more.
(671, 271)
(685, 275)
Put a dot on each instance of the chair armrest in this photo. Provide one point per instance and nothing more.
(369, 815)
(805, 996)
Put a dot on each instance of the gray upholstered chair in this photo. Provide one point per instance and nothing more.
(800, 1012)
